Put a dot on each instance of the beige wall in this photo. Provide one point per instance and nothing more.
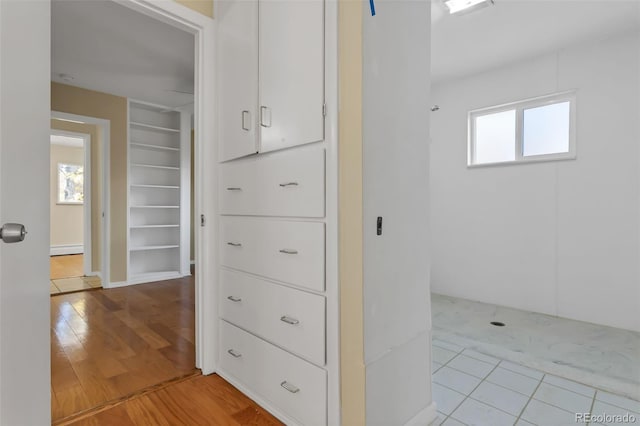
(67, 222)
(96, 183)
(350, 214)
(203, 6)
(79, 101)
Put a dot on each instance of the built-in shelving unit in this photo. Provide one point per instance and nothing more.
(159, 190)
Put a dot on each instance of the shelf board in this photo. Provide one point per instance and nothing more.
(152, 127)
(153, 226)
(155, 207)
(155, 186)
(158, 247)
(155, 147)
(153, 166)
(142, 277)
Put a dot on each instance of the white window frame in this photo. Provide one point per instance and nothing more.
(519, 107)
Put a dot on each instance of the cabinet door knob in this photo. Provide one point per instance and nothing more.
(246, 120)
(234, 189)
(234, 244)
(289, 184)
(288, 386)
(289, 320)
(234, 353)
(265, 116)
(234, 299)
(288, 251)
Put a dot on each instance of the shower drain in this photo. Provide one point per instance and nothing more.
(497, 323)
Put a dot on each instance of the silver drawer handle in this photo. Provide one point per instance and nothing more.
(234, 244)
(234, 353)
(287, 251)
(246, 118)
(234, 189)
(288, 386)
(289, 184)
(234, 299)
(289, 320)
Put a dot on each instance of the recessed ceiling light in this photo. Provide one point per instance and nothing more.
(458, 6)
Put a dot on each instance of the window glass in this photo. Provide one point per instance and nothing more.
(495, 136)
(546, 129)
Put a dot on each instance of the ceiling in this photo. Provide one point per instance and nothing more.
(513, 30)
(110, 48)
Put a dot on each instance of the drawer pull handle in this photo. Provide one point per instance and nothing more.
(265, 116)
(246, 127)
(287, 251)
(234, 299)
(234, 353)
(289, 320)
(289, 184)
(234, 244)
(234, 189)
(289, 387)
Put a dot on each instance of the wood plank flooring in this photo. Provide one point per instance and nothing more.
(66, 266)
(200, 400)
(106, 344)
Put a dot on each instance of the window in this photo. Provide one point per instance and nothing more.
(539, 129)
(70, 184)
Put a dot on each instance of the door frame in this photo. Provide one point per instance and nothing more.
(105, 134)
(87, 259)
(203, 29)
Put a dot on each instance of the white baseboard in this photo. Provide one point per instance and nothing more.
(95, 274)
(425, 417)
(66, 249)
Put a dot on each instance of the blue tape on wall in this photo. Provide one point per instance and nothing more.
(373, 8)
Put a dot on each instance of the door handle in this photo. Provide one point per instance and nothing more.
(265, 116)
(12, 232)
(246, 118)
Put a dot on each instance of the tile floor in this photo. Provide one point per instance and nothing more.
(68, 285)
(602, 357)
(471, 388)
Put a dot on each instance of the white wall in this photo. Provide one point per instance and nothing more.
(560, 238)
(67, 220)
(397, 327)
(25, 76)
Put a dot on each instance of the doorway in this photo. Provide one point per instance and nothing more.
(26, 87)
(75, 209)
(137, 74)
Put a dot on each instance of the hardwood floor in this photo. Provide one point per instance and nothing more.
(200, 400)
(106, 344)
(66, 266)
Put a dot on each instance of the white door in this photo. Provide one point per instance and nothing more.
(291, 73)
(24, 198)
(238, 77)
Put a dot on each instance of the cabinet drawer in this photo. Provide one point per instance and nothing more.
(294, 386)
(292, 319)
(289, 183)
(288, 251)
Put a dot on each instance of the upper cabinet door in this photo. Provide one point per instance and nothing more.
(238, 77)
(291, 73)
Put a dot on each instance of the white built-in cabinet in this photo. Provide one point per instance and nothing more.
(159, 156)
(277, 293)
(271, 56)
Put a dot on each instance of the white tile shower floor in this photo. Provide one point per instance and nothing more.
(518, 374)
